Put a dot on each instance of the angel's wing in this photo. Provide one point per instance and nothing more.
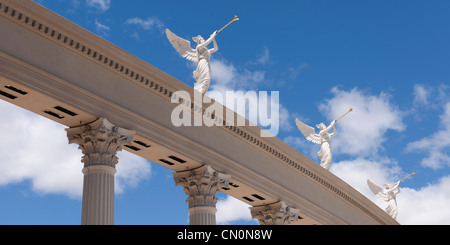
(373, 187)
(182, 46)
(308, 132)
(378, 191)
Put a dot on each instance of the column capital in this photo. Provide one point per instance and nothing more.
(201, 185)
(274, 214)
(99, 141)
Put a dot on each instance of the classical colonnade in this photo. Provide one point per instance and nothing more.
(99, 142)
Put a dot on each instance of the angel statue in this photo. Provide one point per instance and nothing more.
(387, 194)
(323, 139)
(200, 55)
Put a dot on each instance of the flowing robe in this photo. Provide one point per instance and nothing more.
(203, 72)
(325, 154)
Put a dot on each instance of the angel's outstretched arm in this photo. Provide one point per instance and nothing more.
(334, 131)
(396, 186)
(202, 45)
(215, 46)
(331, 125)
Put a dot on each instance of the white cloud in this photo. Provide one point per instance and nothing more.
(149, 23)
(362, 132)
(74, 6)
(101, 29)
(101, 5)
(421, 94)
(36, 149)
(285, 118)
(436, 145)
(263, 59)
(131, 170)
(426, 206)
(223, 76)
(226, 77)
(294, 72)
(232, 209)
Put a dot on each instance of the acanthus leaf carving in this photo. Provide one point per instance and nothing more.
(99, 141)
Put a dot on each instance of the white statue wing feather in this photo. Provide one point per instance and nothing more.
(308, 132)
(373, 187)
(182, 46)
(377, 190)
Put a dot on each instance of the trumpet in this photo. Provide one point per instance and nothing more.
(234, 19)
(407, 176)
(351, 109)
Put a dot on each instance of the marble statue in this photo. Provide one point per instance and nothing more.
(323, 139)
(388, 194)
(201, 55)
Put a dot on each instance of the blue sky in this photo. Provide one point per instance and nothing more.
(387, 59)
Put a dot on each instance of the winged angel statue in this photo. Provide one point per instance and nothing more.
(388, 194)
(200, 55)
(323, 139)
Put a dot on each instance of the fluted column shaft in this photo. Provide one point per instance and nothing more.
(99, 141)
(201, 186)
(98, 195)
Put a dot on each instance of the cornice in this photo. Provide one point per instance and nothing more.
(84, 43)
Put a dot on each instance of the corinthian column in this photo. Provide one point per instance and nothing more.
(201, 185)
(99, 141)
(274, 214)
